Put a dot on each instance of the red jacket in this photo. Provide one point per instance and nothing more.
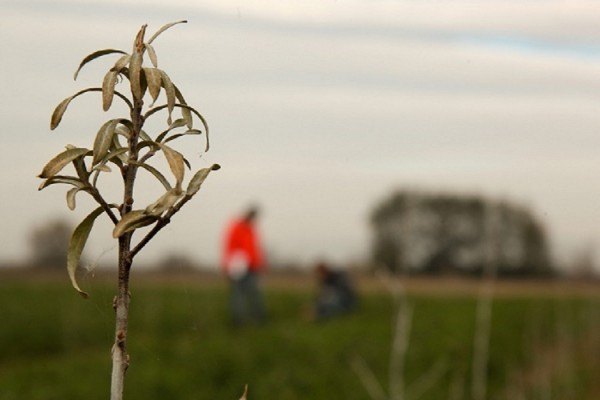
(242, 238)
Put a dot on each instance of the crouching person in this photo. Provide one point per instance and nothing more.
(336, 295)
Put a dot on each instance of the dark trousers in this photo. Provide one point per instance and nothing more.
(247, 303)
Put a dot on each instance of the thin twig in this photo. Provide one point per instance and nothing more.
(105, 206)
(162, 222)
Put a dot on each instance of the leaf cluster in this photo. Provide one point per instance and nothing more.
(122, 144)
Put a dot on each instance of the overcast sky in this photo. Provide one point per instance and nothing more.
(318, 110)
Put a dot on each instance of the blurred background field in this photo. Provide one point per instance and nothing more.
(544, 341)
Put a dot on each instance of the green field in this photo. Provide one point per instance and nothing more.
(54, 345)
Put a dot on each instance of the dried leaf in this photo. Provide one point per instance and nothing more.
(81, 168)
(176, 163)
(187, 163)
(148, 143)
(123, 131)
(117, 155)
(170, 92)
(161, 178)
(121, 63)
(152, 55)
(95, 55)
(164, 28)
(62, 106)
(199, 178)
(103, 140)
(76, 245)
(135, 67)
(58, 112)
(185, 113)
(178, 123)
(201, 118)
(144, 135)
(71, 197)
(108, 89)
(69, 180)
(154, 80)
(61, 160)
(102, 168)
(154, 110)
(164, 202)
(186, 133)
(132, 221)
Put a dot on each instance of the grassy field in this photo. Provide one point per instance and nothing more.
(544, 343)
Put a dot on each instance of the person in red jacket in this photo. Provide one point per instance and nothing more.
(242, 262)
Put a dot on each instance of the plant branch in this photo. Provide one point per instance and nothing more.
(93, 191)
(162, 222)
(100, 200)
(147, 156)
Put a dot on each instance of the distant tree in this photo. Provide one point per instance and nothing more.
(443, 233)
(176, 261)
(49, 243)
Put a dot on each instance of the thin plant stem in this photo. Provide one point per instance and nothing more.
(119, 352)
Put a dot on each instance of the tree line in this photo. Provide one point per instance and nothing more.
(437, 233)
